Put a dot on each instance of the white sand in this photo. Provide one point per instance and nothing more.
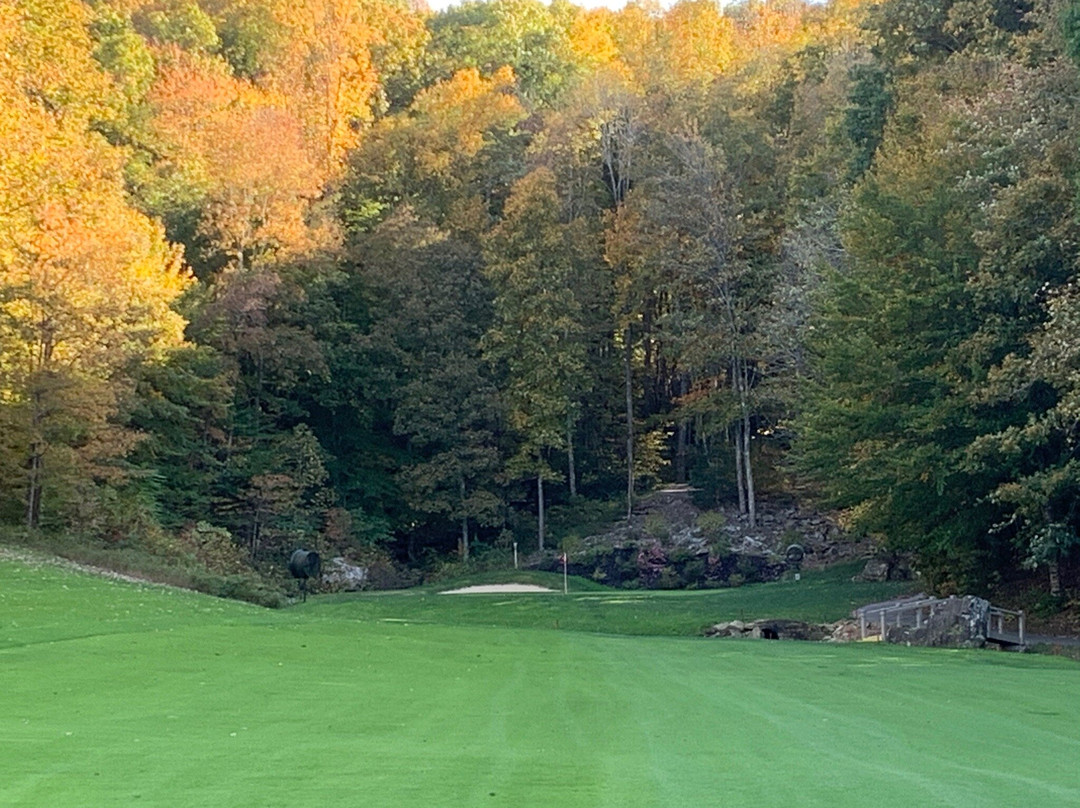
(488, 588)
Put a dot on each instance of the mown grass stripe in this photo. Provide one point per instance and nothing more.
(190, 701)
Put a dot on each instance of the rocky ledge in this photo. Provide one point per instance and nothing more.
(842, 631)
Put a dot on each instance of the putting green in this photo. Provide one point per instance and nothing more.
(116, 694)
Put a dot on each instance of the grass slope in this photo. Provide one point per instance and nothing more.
(116, 694)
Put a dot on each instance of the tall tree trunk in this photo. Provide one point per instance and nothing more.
(33, 487)
(740, 472)
(540, 508)
(254, 539)
(748, 471)
(36, 463)
(1054, 568)
(740, 480)
(629, 380)
(570, 452)
(648, 372)
(681, 440)
(464, 522)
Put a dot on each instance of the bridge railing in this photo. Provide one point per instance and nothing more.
(1000, 619)
(876, 618)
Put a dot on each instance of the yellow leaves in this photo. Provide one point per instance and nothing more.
(94, 284)
(460, 110)
(533, 192)
(591, 38)
(452, 120)
(841, 20)
(246, 150)
(702, 40)
(47, 60)
(327, 72)
(87, 281)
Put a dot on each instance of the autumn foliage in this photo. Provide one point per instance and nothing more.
(352, 273)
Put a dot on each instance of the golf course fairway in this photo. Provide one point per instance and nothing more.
(118, 694)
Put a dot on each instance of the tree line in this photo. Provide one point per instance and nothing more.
(353, 274)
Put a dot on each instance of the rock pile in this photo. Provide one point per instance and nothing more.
(670, 517)
(843, 631)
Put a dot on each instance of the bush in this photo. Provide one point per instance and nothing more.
(656, 526)
(1048, 605)
(248, 587)
(694, 571)
(669, 579)
(214, 548)
(582, 517)
(711, 524)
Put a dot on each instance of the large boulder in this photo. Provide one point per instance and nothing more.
(340, 575)
(956, 623)
(885, 568)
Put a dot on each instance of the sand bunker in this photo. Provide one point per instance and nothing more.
(489, 588)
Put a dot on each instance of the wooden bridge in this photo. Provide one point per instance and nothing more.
(1004, 627)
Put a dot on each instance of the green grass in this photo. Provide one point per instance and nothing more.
(120, 695)
(823, 596)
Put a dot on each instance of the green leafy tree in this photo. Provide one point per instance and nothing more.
(432, 307)
(537, 335)
(526, 35)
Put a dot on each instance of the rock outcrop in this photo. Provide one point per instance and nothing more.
(773, 630)
(668, 543)
(955, 623)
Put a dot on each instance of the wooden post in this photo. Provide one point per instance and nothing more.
(1021, 620)
(862, 625)
(918, 617)
(883, 627)
(515, 556)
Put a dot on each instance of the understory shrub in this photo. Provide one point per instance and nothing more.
(250, 587)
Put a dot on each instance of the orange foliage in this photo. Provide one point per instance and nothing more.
(86, 278)
(635, 32)
(327, 74)
(242, 145)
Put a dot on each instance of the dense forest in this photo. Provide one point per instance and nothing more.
(356, 275)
